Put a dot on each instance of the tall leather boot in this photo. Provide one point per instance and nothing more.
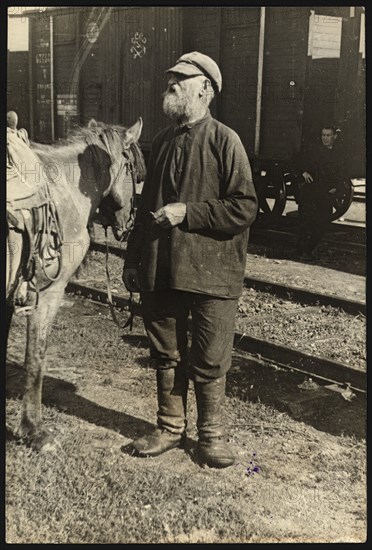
(211, 448)
(172, 387)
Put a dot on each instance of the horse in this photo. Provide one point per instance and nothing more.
(95, 168)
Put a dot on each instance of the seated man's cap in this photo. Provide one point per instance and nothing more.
(196, 63)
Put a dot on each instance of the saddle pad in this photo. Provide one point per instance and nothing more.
(38, 197)
(24, 170)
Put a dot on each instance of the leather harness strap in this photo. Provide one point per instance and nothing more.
(130, 224)
(129, 321)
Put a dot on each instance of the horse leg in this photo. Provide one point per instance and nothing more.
(9, 316)
(13, 264)
(38, 328)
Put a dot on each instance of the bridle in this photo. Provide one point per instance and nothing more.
(127, 164)
(129, 167)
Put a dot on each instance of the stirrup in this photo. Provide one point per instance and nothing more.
(24, 310)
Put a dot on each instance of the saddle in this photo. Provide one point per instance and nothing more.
(32, 211)
(24, 174)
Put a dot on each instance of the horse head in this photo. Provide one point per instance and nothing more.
(127, 167)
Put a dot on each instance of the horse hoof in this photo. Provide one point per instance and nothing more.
(40, 441)
(43, 441)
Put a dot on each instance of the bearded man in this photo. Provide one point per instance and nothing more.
(187, 254)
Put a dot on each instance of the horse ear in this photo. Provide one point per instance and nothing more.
(92, 125)
(133, 133)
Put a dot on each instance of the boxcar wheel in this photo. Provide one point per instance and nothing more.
(342, 201)
(276, 191)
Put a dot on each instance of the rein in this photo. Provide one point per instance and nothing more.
(129, 322)
(128, 165)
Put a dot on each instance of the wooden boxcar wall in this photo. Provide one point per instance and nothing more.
(284, 72)
(52, 67)
(123, 76)
(18, 87)
(41, 117)
(322, 90)
(109, 64)
(201, 32)
(350, 108)
(66, 91)
(230, 37)
(90, 77)
(299, 93)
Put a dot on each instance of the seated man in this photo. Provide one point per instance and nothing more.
(320, 176)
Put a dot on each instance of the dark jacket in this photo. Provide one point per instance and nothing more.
(326, 166)
(205, 166)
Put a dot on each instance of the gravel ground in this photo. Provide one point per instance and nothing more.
(322, 331)
(316, 278)
(329, 268)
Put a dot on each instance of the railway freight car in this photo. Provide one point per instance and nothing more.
(285, 70)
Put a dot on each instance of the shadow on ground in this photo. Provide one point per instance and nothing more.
(62, 395)
(318, 406)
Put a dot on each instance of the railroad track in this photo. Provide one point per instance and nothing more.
(304, 296)
(259, 351)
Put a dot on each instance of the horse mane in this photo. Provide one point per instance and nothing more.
(80, 136)
(139, 161)
(63, 147)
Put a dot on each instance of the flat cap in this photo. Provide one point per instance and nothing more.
(196, 63)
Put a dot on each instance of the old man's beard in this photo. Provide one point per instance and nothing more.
(180, 106)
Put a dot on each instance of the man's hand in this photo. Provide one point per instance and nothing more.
(131, 279)
(170, 215)
(307, 177)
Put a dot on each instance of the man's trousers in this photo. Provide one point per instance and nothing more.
(165, 315)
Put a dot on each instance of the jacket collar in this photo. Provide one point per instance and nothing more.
(188, 126)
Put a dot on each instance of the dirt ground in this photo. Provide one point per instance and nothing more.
(298, 477)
